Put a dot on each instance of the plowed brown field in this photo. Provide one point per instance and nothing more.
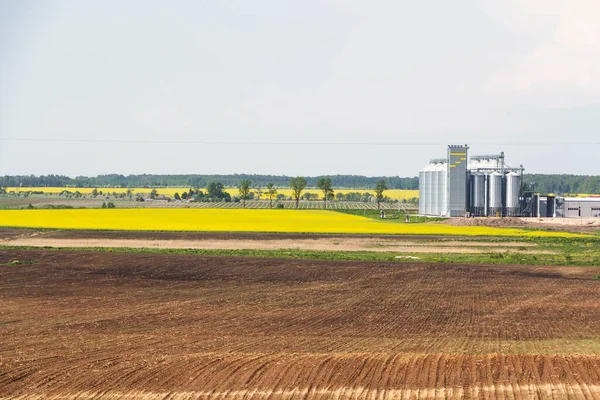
(157, 326)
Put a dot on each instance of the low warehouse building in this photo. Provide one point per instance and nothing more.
(575, 207)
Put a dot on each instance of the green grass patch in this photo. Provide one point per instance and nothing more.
(504, 258)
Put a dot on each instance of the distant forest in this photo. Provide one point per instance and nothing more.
(199, 181)
(559, 184)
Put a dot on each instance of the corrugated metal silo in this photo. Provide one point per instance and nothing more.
(440, 191)
(495, 194)
(444, 192)
(434, 190)
(421, 192)
(513, 184)
(478, 194)
(428, 190)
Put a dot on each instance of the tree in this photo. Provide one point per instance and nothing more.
(271, 192)
(244, 190)
(95, 192)
(176, 196)
(153, 194)
(380, 187)
(258, 193)
(215, 191)
(184, 196)
(199, 196)
(297, 184)
(325, 185)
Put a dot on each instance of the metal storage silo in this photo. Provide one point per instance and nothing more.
(513, 184)
(428, 190)
(495, 194)
(441, 188)
(443, 193)
(421, 192)
(434, 188)
(425, 190)
(478, 194)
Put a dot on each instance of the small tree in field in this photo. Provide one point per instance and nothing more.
(154, 194)
(95, 192)
(380, 187)
(297, 184)
(176, 196)
(271, 192)
(244, 189)
(325, 185)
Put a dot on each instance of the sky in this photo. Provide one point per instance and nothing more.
(308, 87)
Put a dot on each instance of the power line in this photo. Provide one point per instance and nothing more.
(275, 143)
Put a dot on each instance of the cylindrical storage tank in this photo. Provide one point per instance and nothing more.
(434, 187)
(477, 194)
(441, 188)
(513, 185)
(421, 192)
(495, 194)
(427, 182)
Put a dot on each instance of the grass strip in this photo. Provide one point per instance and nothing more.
(505, 258)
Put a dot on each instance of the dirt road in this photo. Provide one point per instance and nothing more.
(160, 240)
(157, 326)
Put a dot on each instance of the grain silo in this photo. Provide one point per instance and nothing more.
(478, 194)
(483, 186)
(513, 187)
(494, 194)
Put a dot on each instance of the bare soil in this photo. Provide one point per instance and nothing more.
(157, 240)
(158, 326)
(575, 225)
(488, 221)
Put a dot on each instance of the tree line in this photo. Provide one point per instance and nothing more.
(215, 191)
(557, 183)
(563, 184)
(199, 181)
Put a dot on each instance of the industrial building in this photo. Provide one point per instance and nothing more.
(485, 185)
(568, 207)
(457, 186)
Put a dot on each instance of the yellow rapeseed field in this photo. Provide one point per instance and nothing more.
(398, 194)
(240, 220)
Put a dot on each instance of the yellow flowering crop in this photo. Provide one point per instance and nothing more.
(240, 220)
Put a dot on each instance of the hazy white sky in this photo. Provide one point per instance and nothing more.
(477, 72)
